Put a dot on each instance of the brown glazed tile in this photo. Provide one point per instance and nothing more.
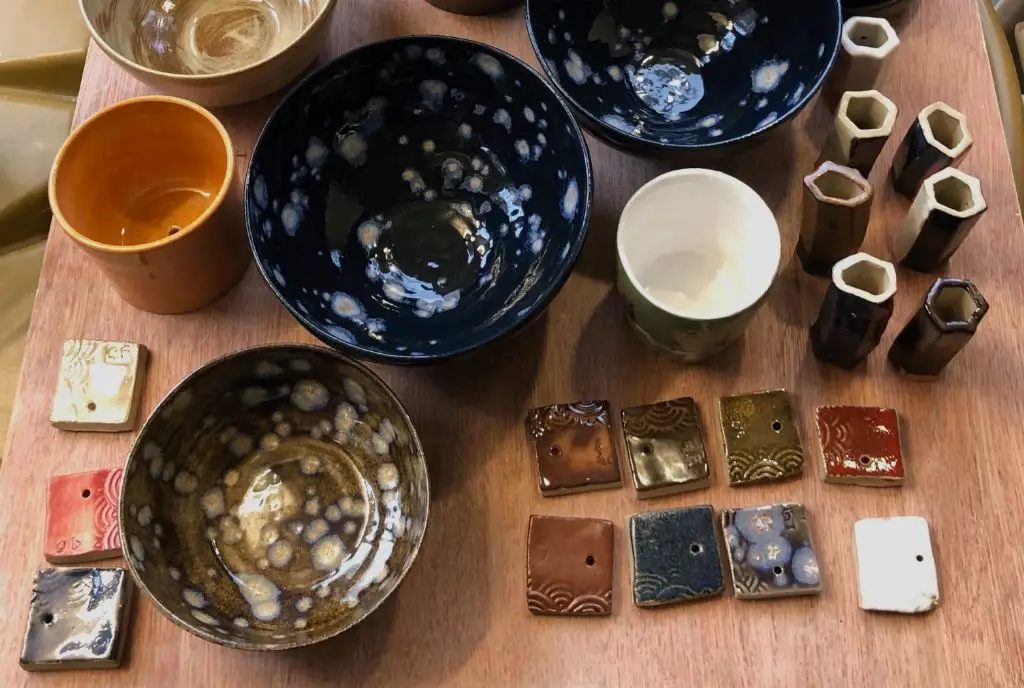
(665, 446)
(574, 447)
(860, 445)
(760, 437)
(569, 566)
(99, 386)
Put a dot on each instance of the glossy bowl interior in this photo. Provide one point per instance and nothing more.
(418, 198)
(657, 75)
(274, 499)
(200, 37)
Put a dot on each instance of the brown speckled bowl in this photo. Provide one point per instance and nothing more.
(274, 498)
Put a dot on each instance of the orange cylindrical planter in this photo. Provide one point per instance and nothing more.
(141, 187)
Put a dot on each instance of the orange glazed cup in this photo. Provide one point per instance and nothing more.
(141, 187)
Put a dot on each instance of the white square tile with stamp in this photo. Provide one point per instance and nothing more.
(895, 565)
(98, 386)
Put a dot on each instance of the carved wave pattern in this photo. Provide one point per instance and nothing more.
(834, 435)
(657, 418)
(748, 584)
(671, 585)
(766, 464)
(561, 598)
(540, 421)
(77, 356)
(105, 513)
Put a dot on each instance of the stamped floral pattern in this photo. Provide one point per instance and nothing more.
(770, 551)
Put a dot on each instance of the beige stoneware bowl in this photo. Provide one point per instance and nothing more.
(213, 52)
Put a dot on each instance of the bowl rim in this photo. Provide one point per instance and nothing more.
(186, 231)
(632, 139)
(726, 179)
(136, 451)
(130, 64)
(553, 286)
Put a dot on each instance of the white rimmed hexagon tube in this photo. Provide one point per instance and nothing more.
(866, 46)
(837, 206)
(938, 138)
(855, 311)
(863, 123)
(943, 214)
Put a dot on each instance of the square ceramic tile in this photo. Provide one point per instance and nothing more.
(760, 437)
(895, 565)
(665, 446)
(77, 619)
(81, 516)
(675, 556)
(99, 386)
(860, 445)
(574, 447)
(770, 552)
(569, 566)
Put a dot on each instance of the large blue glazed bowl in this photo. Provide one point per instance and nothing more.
(689, 79)
(418, 198)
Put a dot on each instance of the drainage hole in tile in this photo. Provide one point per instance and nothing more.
(696, 548)
(556, 450)
(590, 560)
(86, 493)
(47, 618)
(91, 406)
(865, 460)
(777, 570)
(920, 557)
(777, 426)
(646, 449)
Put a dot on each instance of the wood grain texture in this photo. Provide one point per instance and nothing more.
(460, 618)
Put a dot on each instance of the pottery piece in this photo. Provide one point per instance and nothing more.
(99, 386)
(474, 7)
(219, 52)
(760, 437)
(81, 516)
(863, 123)
(275, 498)
(418, 198)
(771, 553)
(943, 325)
(690, 82)
(860, 446)
(837, 207)
(875, 8)
(866, 47)
(573, 447)
(938, 138)
(569, 566)
(944, 212)
(855, 311)
(665, 446)
(77, 619)
(691, 289)
(675, 556)
(141, 186)
(896, 565)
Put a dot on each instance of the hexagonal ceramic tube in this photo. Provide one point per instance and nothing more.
(938, 138)
(944, 212)
(943, 325)
(837, 206)
(855, 311)
(865, 47)
(863, 123)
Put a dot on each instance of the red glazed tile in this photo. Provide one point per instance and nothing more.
(81, 516)
(860, 445)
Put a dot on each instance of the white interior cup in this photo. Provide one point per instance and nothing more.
(699, 244)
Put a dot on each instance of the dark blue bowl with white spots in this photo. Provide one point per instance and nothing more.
(693, 80)
(418, 198)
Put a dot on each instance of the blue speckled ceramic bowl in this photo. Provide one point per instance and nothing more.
(274, 498)
(696, 79)
(418, 198)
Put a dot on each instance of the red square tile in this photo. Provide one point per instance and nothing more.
(81, 516)
(860, 445)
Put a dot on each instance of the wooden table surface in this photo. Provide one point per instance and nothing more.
(460, 617)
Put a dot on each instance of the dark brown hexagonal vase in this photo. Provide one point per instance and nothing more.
(943, 325)
(855, 311)
(938, 138)
(837, 207)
